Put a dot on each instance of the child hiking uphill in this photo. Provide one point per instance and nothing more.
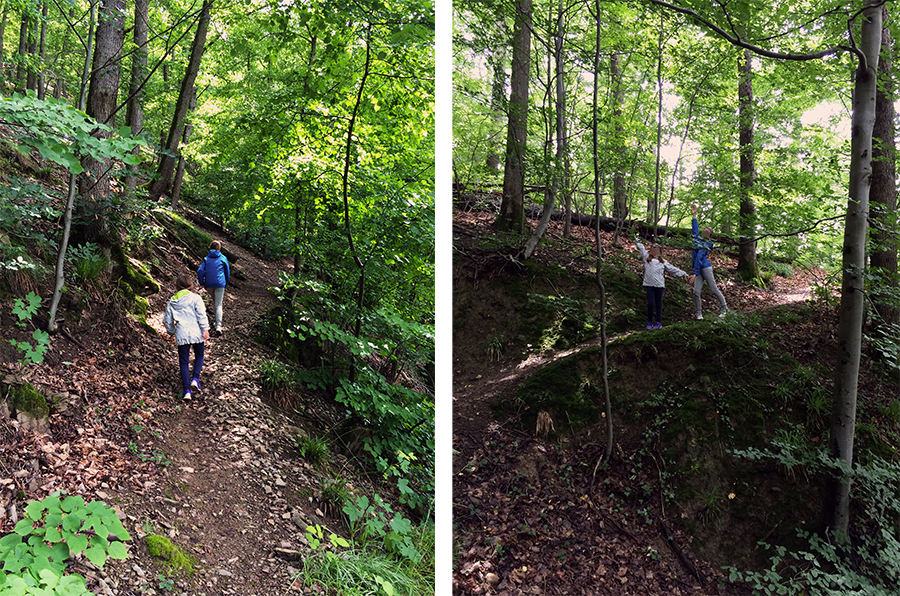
(185, 318)
(655, 268)
(702, 267)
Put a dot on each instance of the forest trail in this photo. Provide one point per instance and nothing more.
(219, 475)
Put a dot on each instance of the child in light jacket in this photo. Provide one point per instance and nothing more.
(655, 268)
(186, 319)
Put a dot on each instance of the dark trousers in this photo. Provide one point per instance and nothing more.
(654, 303)
(184, 361)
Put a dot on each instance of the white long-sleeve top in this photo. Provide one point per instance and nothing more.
(655, 269)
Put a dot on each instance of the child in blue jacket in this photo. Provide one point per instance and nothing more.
(702, 267)
(655, 268)
(213, 274)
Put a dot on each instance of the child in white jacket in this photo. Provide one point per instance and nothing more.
(655, 268)
(186, 319)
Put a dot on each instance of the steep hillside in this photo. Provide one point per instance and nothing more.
(532, 511)
(222, 477)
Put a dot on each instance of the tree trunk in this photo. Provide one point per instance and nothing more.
(102, 94)
(512, 209)
(70, 201)
(747, 267)
(167, 159)
(2, 37)
(620, 203)
(843, 419)
(134, 113)
(883, 258)
(22, 53)
(41, 79)
(595, 132)
(497, 63)
(562, 135)
(179, 172)
(653, 200)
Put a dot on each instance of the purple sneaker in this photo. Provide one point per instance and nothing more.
(657, 325)
(195, 384)
(649, 325)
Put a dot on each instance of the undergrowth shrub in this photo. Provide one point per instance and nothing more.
(34, 556)
(864, 563)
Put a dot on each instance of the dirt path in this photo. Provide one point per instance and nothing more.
(219, 475)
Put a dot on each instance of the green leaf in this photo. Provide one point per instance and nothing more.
(77, 543)
(96, 555)
(118, 550)
(24, 527)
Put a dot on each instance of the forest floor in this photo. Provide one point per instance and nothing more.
(530, 517)
(219, 475)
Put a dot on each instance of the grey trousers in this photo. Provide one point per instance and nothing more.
(706, 275)
(219, 297)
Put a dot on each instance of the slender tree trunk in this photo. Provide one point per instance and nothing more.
(884, 195)
(31, 79)
(843, 419)
(41, 79)
(512, 208)
(2, 37)
(134, 112)
(620, 206)
(179, 172)
(70, 201)
(562, 135)
(22, 54)
(653, 200)
(167, 159)
(497, 63)
(747, 266)
(101, 104)
(595, 125)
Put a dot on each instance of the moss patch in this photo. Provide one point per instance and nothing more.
(174, 559)
(25, 398)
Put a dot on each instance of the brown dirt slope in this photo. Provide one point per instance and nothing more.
(219, 475)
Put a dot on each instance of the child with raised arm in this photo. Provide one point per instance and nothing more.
(186, 319)
(655, 268)
(702, 266)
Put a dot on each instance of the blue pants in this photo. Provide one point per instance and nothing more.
(654, 303)
(184, 360)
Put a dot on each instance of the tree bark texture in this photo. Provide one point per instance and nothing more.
(884, 192)
(747, 267)
(620, 199)
(102, 94)
(170, 153)
(843, 419)
(134, 112)
(512, 209)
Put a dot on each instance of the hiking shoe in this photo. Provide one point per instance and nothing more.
(187, 396)
(649, 325)
(657, 325)
(699, 317)
(195, 384)
(723, 313)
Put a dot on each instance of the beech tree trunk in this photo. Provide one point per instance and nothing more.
(168, 158)
(747, 266)
(843, 419)
(22, 53)
(512, 208)
(134, 112)
(179, 172)
(620, 199)
(102, 94)
(884, 195)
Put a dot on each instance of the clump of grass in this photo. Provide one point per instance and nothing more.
(357, 571)
(313, 449)
(334, 493)
(174, 558)
(279, 380)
